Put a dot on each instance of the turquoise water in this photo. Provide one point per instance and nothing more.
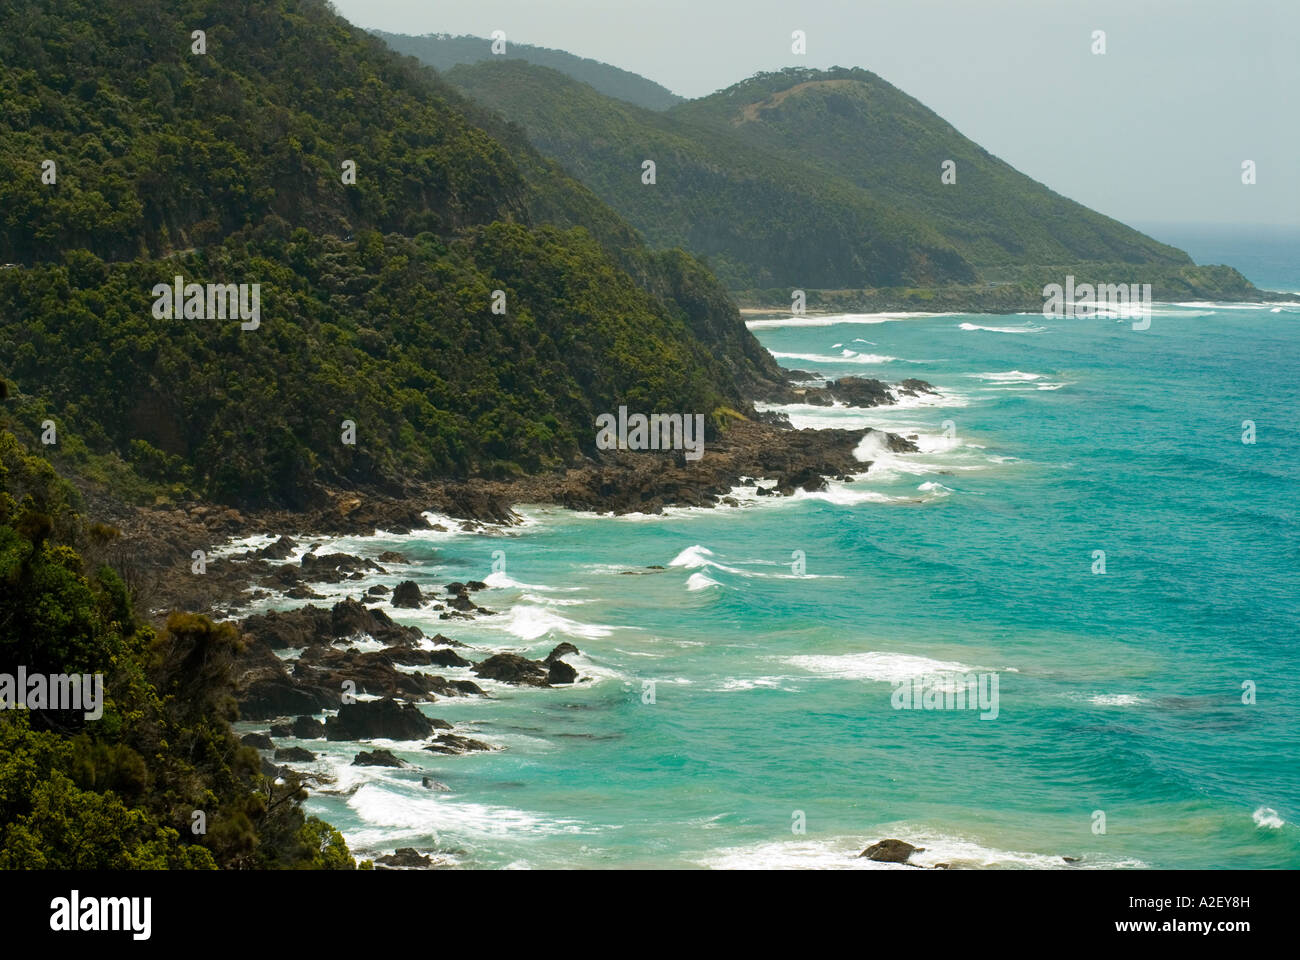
(1268, 254)
(1118, 692)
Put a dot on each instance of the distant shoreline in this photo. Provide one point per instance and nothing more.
(1000, 300)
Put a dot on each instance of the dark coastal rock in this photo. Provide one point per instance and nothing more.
(283, 576)
(560, 672)
(375, 672)
(383, 629)
(438, 640)
(392, 556)
(897, 444)
(890, 851)
(371, 673)
(307, 728)
(451, 743)
(282, 549)
(414, 656)
(295, 755)
(265, 699)
(259, 741)
(417, 657)
(280, 630)
(407, 594)
(476, 585)
(512, 668)
(477, 501)
(454, 688)
(309, 625)
(437, 785)
(378, 719)
(376, 758)
(560, 650)
(303, 592)
(407, 656)
(350, 619)
(378, 590)
(447, 658)
(335, 567)
(912, 387)
(460, 605)
(281, 730)
(405, 858)
(860, 392)
(266, 689)
(808, 479)
(271, 771)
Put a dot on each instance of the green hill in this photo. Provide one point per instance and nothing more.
(831, 180)
(758, 219)
(442, 52)
(225, 167)
(850, 123)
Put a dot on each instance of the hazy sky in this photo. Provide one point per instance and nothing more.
(1153, 131)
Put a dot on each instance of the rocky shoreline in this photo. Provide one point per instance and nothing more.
(157, 544)
(350, 663)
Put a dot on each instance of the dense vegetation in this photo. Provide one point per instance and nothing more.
(377, 298)
(443, 52)
(394, 334)
(121, 791)
(758, 220)
(850, 123)
(824, 179)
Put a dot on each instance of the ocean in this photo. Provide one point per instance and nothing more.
(1084, 523)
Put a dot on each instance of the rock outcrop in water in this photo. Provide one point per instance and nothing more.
(282, 630)
(858, 392)
(890, 851)
(407, 594)
(376, 758)
(378, 719)
(294, 755)
(621, 481)
(405, 858)
(512, 668)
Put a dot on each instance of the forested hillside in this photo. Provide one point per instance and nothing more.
(850, 123)
(832, 180)
(158, 779)
(228, 166)
(443, 52)
(758, 219)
